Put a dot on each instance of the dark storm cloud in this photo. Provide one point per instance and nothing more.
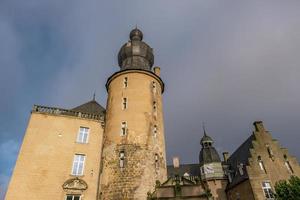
(224, 63)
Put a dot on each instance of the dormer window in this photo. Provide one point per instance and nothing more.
(241, 170)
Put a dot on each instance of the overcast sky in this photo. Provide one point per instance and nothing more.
(225, 63)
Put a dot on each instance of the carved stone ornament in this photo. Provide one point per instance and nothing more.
(75, 184)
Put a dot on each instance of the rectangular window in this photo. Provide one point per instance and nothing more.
(156, 161)
(266, 186)
(124, 103)
(78, 164)
(122, 159)
(83, 135)
(73, 197)
(154, 87)
(155, 131)
(123, 128)
(289, 167)
(154, 105)
(125, 82)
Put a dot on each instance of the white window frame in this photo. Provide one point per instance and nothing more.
(123, 131)
(76, 163)
(267, 189)
(80, 135)
(124, 103)
(73, 195)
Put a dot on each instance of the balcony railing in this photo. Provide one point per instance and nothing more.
(61, 111)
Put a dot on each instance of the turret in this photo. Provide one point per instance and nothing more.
(209, 159)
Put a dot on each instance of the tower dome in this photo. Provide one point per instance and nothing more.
(208, 153)
(136, 34)
(136, 54)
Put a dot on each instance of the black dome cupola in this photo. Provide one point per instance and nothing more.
(136, 54)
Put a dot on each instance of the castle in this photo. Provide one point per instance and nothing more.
(89, 152)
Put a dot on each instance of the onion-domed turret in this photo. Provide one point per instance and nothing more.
(136, 54)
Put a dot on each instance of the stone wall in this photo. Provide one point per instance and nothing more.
(46, 156)
(145, 157)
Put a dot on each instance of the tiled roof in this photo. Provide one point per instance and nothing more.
(92, 107)
(240, 156)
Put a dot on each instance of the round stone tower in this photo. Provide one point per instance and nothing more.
(134, 157)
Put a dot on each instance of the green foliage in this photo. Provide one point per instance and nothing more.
(288, 189)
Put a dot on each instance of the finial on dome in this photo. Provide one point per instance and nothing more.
(94, 96)
(203, 126)
(136, 34)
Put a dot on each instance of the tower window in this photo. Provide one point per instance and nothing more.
(261, 164)
(78, 164)
(124, 103)
(83, 135)
(288, 165)
(154, 86)
(266, 186)
(122, 159)
(73, 197)
(125, 82)
(123, 128)
(154, 105)
(155, 131)
(156, 160)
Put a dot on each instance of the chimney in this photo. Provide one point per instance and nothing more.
(225, 156)
(157, 70)
(259, 126)
(176, 162)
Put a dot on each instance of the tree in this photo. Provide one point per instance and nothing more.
(288, 189)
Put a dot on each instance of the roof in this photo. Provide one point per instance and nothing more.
(240, 156)
(191, 169)
(208, 155)
(92, 107)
